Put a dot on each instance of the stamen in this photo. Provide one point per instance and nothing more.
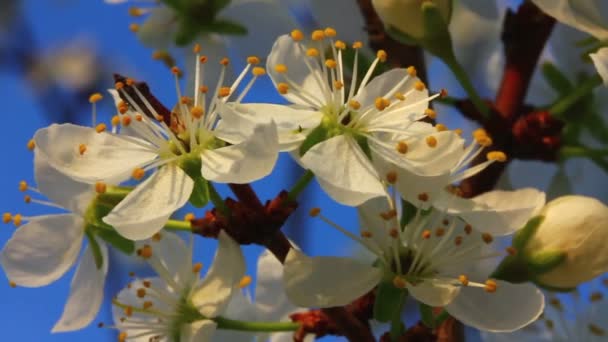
(224, 92)
(382, 103)
(138, 173)
(338, 85)
(136, 11)
(391, 177)
(258, 71)
(399, 282)
(491, 286)
(96, 97)
(423, 197)
(122, 337)
(431, 141)
(497, 156)
(381, 55)
(511, 250)
(225, 61)
(357, 45)
(297, 35)
(314, 212)
(468, 229)
(100, 128)
(419, 85)
(330, 63)
(196, 48)
(147, 305)
(12, 284)
(196, 268)
(354, 104)
(141, 293)
(430, 113)
(340, 45)
(463, 279)
(82, 148)
(366, 234)
(197, 112)
(317, 35)
(145, 252)
(399, 96)
(126, 120)
(31, 145)
(245, 281)
(133, 27)
(411, 70)
(100, 187)
(157, 237)
(282, 88)
(312, 52)
(402, 147)
(330, 32)
(426, 234)
(189, 217)
(17, 220)
(7, 217)
(115, 121)
(441, 127)
(487, 238)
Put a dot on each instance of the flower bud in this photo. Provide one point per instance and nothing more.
(577, 227)
(406, 15)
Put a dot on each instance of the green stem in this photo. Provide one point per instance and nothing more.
(217, 201)
(178, 225)
(231, 324)
(465, 82)
(300, 185)
(397, 327)
(561, 106)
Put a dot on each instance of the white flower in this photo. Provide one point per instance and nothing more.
(47, 246)
(434, 257)
(177, 305)
(192, 144)
(337, 130)
(578, 227)
(406, 15)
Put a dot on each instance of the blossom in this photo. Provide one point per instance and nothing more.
(182, 147)
(177, 305)
(336, 131)
(434, 256)
(47, 246)
(406, 15)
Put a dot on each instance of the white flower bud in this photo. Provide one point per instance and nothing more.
(406, 15)
(578, 227)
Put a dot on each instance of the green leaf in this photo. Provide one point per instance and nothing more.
(388, 301)
(317, 135)
(545, 261)
(523, 235)
(556, 79)
(362, 142)
(187, 32)
(437, 39)
(95, 249)
(116, 240)
(226, 27)
(427, 316)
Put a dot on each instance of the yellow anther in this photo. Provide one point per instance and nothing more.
(387, 215)
(411, 70)
(596, 330)
(185, 100)
(357, 45)
(458, 240)
(381, 55)
(596, 297)
(138, 117)
(402, 147)
(258, 71)
(366, 234)
(96, 97)
(157, 237)
(431, 141)
(145, 252)
(147, 304)
(419, 85)
(458, 131)
(394, 233)
(426, 234)
(423, 197)
(312, 52)
(399, 96)
(197, 112)
(196, 48)
(253, 60)
(468, 229)
(445, 222)
(511, 250)
(135, 12)
(126, 120)
(340, 45)
(381, 103)
(338, 85)
(399, 282)
(22, 186)
(487, 238)
(463, 279)
(498, 156)
(282, 88)
(82, 148)
(175, 71)
(197, 267)
(17, 220)
(245, 281)
(223, 92)
(115, 120)
(100, 127)
(130, 82)
(225, 61)
(443, 93)
(354, 104)
(330, 63)
(440, 232)
(138, 173)
(119, 85)
(317, 35)
(31, 145)
(7, 217)
(330, 32)
(146, 284)
(441, 127)
(141, 293)
(314, 212)
(12, 284)
(203, 59)
(123, 108)
(491, 286)
(122, 337)
(203, 89)
(391, 177)
(100, 187)
(133, 27)
(483, 140)
(430, 113)
(297, 35)
(280, 68)
(480, 132)
(189, 217)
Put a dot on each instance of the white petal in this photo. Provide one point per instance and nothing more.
(371, 221)
(86, 292)
(434, 293)
(147, 208)
(199, 331)
(107, 157)
(213, 294)
(286, 51)
(343, 171)
(213, 46)
(246, 162)
(128, 297)
(61, 189)
(42, 250)
(270, 295)
(326, 281)
(581, 14)
(600, 60)
(511, 307)
(173, 254)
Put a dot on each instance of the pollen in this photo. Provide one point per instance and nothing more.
(596, 330)
(484, 140)
(122, 337)
(141, 293)
(439, 232)
(441, 127)
(203, 89)
(430, 113)
(224, 92)
(7, 217)
(258, 71)
(340, 45)
(82, 148)
(419, 85)
(426, 234)
(100, 128)
(443, 93)
(330, 63)
(157, 237)
(22, 186)
(147, 305)
(175, 70)
(297, 35)
(185, 100)
(196, 268)
(282, 88)
(394, 233)
(280, 68)
(511, 250)
(253, 60)
(402, 147)
(468, 229)
(100, 187)
(391, 177)
(497, 156)
(138, 173)
(357, 45)
(135, 12)
(133, 27)
(17, 220)
(189, 217)
(458, 131)
(431, 141)
(463, 279)
(245, 281)
(130, 82)
(387, 215)
(314, 212)
(115, 120)
(146, 252)
(126, 120)
(96, 97)
(317, 35)
(381, 55)
(382, 103)
(196, 48)
(338, 85)
(197, 112)
(330, 32)
(12, 284)
(27, 199)
(31, 145)
(203, 59)
(596, 297)
(487, 238)
(119, 85)
(423, 197)
(411, 70)
(312, 52)
(146, 284)
(458, 240)
(491, 286)
(399, 96)
(354, 104)
(123, 108)
(366, 234)
(399, 282)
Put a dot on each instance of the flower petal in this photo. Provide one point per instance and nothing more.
(173, 255)
(42, 250)
(147, 208)
(497, 311)
(212, 296)
(246, 162)
(108, 157)
(199, 331)
(371, 221)
(434, 293)
(326, 281)
(600, 60)
(582, 15)
(344, 171)
(270, 296)
(86, 292)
